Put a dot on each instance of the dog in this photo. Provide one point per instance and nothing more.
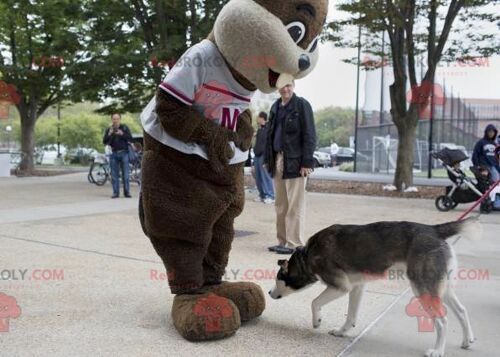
(342, 256)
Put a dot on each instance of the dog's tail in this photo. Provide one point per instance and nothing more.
(470, 228)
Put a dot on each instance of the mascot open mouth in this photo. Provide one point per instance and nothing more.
(277, 80)
(273, 78)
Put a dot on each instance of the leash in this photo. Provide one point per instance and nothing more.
(479, 201)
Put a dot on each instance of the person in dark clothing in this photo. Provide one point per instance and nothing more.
(484, 152)
(118, 137)
(497, 151)
(289, 159)
(262, 178)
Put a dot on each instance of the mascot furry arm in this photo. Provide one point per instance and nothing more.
(197, 131)
(186, 124)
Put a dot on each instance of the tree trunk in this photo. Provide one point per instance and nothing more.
(406, 143)
(28, 120)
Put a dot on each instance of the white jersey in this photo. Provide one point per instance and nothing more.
(201, 79)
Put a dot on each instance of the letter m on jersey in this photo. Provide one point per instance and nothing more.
(230, 118)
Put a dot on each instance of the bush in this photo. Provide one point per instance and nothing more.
(347, 167)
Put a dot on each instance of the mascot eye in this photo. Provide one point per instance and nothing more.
(313, 45)
(297, 31)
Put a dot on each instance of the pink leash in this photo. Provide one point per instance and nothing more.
(479, 201)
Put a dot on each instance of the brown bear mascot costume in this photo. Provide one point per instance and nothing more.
(197, 132)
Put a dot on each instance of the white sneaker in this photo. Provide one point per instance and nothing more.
(257, 199)
(268, 201)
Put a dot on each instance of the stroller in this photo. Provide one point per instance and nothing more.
(463, 189)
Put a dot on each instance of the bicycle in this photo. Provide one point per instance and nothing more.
(100, 170)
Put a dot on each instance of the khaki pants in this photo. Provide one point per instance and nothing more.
(290, 207)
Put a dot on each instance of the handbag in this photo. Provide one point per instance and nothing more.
(132, 155)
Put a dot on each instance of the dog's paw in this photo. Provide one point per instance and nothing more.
(467, 343)
(433, 353)
(317, 322)
(316, 317)
(338, 333)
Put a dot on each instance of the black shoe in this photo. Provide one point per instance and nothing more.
(273, 248)
(128, 195)
(115, 196)
(284, 250)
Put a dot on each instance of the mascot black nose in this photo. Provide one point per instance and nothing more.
(304, 62)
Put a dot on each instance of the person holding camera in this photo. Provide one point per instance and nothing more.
(118, 137)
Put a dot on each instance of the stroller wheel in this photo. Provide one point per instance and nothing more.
(444, 203)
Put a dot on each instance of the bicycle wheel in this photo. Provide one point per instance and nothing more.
(135, 173)
(99, 174)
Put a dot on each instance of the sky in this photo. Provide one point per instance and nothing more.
(333, 82)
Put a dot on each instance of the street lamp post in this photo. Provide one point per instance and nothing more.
(356, 119)
(8, 129)
(431, 132)
(58, 130)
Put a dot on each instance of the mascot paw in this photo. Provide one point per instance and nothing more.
(244, 130)
(219, 151)
(203, 317)
(248, 297)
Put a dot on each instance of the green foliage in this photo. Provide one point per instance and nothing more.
(334, 124)
(87, 130)
(347, 167)
(78, 130)
(40, 44)
(46, 132)
(472, 34)
(132, 43)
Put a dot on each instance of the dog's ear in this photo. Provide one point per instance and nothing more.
(283, 263)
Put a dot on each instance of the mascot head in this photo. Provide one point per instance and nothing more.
(270, 42)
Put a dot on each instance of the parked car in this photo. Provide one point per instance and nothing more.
(325, 149)
(81, 156)
(47, 155)
(347, 155)
(321, 159)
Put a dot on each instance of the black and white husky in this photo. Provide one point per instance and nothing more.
(342, 256)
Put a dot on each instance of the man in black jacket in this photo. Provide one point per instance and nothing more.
(289, 159)
(118, 136)
(262, 179)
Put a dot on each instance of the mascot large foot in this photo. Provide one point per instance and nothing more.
(248, 297)
(203, 317)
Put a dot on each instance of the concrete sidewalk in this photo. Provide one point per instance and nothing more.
(89, 282)
(332, 173)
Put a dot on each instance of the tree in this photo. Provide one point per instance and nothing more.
(334, 124)
(427, 27)
(131, 45)
(38, 45)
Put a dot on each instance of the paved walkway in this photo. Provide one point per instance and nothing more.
(89, 283)
(332, 173)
